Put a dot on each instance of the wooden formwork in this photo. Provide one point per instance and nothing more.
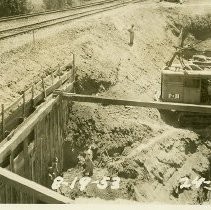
(26, 154)
(33, 147)
(13, 115)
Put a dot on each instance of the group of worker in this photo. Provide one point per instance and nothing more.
(84, 162)
(53, 170)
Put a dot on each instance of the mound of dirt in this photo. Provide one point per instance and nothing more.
(92, 42)
(144, 152)
(147, 157)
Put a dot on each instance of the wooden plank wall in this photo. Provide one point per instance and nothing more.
(21, 190)
(13, 115)
(48, 140)
(39, 149)
(43, 142)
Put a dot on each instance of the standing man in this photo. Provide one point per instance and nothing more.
(55, 167)
(88, 164)
(131, 31)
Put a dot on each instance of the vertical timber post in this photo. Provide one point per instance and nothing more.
(33, 37)
(21, 197)
(74, 67)
(7, 196)
(35, 171)
(52, 78)
(12, 161)
(12, 170)
(32, 176)
(24, 105)
(41, 160)
(26, 158)
(43, 86)
(59, 72)
(33, 105)
(2, 120)
(73, 74)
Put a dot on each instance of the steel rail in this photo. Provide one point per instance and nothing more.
(59, 20)
(45, 21)
(17, 17)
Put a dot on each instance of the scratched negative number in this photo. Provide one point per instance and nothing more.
(102, 184)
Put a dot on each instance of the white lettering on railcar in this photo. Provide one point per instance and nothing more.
(174, 96)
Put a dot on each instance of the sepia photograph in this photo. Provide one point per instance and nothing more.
(105, 102)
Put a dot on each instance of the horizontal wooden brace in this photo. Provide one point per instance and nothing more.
(26, 128)
(131, 102)
(32, 188)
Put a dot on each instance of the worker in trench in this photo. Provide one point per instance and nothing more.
(55, 167)
(131, 31)
(50, 175)
(209, 178)
(86, 162)
(53, 171)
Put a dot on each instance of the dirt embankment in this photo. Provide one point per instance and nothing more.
(92, 42)
(149, 156)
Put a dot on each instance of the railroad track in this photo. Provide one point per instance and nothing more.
(7, 33)
(24, 16)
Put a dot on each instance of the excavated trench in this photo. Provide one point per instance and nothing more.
(145, 155)
(147, 152)
(103, 127)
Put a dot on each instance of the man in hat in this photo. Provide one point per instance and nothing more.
(88, 164)
(131, 31)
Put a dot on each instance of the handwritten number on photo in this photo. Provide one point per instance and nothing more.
(103, 183)
(73, 183)
(83, 182)
(186, 183)
(197, 182)
(115, 183)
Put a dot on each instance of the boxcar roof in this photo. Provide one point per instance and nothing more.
(200, 74)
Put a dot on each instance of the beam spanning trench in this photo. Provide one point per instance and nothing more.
(206, 109)
(31, 188)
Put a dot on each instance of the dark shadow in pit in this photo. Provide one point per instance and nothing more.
(89, 86)
(178, 120)
(170, 117)
(70, 156)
